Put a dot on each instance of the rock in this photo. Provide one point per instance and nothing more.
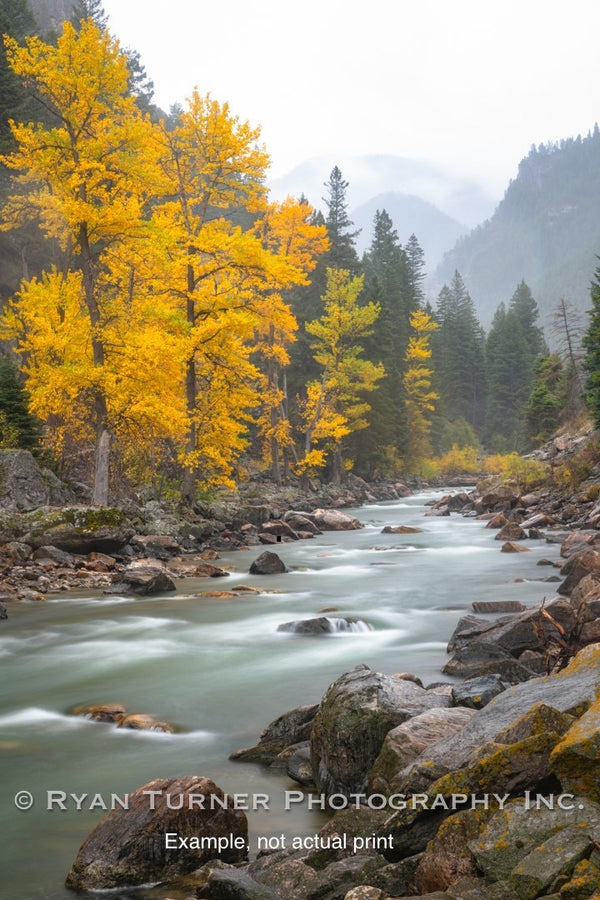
(299, 766)
(293, 727)
(587, 589)
(291, 878)
(25, 486)
(365, 892)
(353, 718)
(575, 759)
(3, 612)
(100, 712)
(234, 884)
(468, 628)
(325, 625)
(497, 521)
(458, 501)
(570, 691)
(575, 543)
(498, 606)
(142, 722)
(58, 556)
(300, 522)
(479, 658)
(447, 857)
(162, 546)
(128, 846)
(540, 520)
(279, 529)
(268, 564)
(206, 570)
(401, 529)
(475, 693)
(511, 834)
(557, 855)
(577, 566)
(78, 529)
(403, 744)
(334, 520)
(511, 532)
(16, 552)
(511, 547)
(144, 580)
(501, 498)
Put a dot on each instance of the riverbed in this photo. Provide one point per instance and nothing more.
(219, 671)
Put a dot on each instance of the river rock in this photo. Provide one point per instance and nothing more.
(144, 580)
(353, 718)
(300, 521)
(334, 520)
(570, 691)
(60, 557)
(268, 564)
(575, 759)
(299, 766)
(577, 566)
(467, 629)
(576, 542)
(480, 658)
(3, 612)
(325, 625)
(143, 722)
(100, 712)
(279, 529)
(512, 531)
(291, 727)
(498, 606)
(512, 547)
(16, 552)
(128, 846)
(403, 744)
(475, 693)
(498, 520)
(234, 884)
(162, 546)
(78, 529)
(401, 529)
(447, 857)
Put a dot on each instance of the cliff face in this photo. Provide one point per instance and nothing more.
(49, 14)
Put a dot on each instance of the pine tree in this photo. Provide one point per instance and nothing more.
(591, 344)
(18, 428)
(342, 252)
(416, 270)
(509, 380)
(459, 356)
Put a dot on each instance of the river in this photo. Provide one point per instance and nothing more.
(219, 670)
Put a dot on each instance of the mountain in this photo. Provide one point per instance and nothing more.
(546, 231)
(410, 214)
(370, 176)
(50, 14)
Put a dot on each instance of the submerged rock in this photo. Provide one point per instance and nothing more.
(325, 625)
(268, 564)
(291, 727)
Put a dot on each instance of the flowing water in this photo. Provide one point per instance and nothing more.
(219, 670)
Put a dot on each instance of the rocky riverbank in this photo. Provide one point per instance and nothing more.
(459, 790)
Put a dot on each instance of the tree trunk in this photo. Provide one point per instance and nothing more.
(102, 467)
(188, 487)
(337, 472)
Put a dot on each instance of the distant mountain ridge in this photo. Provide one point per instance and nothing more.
(546, 231)
(50, 14)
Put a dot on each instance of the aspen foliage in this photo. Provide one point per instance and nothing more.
(420, 398)
(335, 407)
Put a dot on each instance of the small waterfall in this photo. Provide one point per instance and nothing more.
(326, 625)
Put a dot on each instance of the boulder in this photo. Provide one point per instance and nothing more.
(447, 857)
(570, 691)
(16, 552)
(498, 606)
(512, 547)
(60, 557)
(475, 693)
(575, 543)
(162, 546)
(292, 727)
(24, 485)
(401, 529)
(334, 520)
(101, 712)
(497, 521)
(325, 625)
(577, 566)
(143, 722)
(299, 766)
(268, 564)
(300, 521)
(512, 531)
(353, 718)
(3, 612)
(78, 529)
(143, 580)
(403, 744)
(278, 529)
(128, 846)
(467, 629)
(480, 657)
(575, 759)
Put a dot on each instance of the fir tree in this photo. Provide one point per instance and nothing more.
(342, 253)
(591, 344)
(18, 428)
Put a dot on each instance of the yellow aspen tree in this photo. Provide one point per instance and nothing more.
(285, 229)
(89, 176)
(420, 398)
(335, 406)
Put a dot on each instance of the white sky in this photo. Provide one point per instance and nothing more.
(470, 83)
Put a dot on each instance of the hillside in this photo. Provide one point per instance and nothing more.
(435, 230)
(546, 230)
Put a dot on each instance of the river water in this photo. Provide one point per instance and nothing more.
(219, 670)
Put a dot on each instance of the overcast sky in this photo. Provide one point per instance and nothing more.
(470, 83)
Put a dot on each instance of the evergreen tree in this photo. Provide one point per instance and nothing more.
(523, 304)
(342, 253)
(416, 270)
(509, 379)
(16, 20)
(459, 356)
(591, 344)
(547, 398)
(18, 428)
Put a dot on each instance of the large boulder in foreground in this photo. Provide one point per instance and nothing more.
(353, 718)
(129, 846)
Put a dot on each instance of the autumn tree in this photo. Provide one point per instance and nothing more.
(420, 397)
(335, 406)
(287, 229)
(89, 174)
